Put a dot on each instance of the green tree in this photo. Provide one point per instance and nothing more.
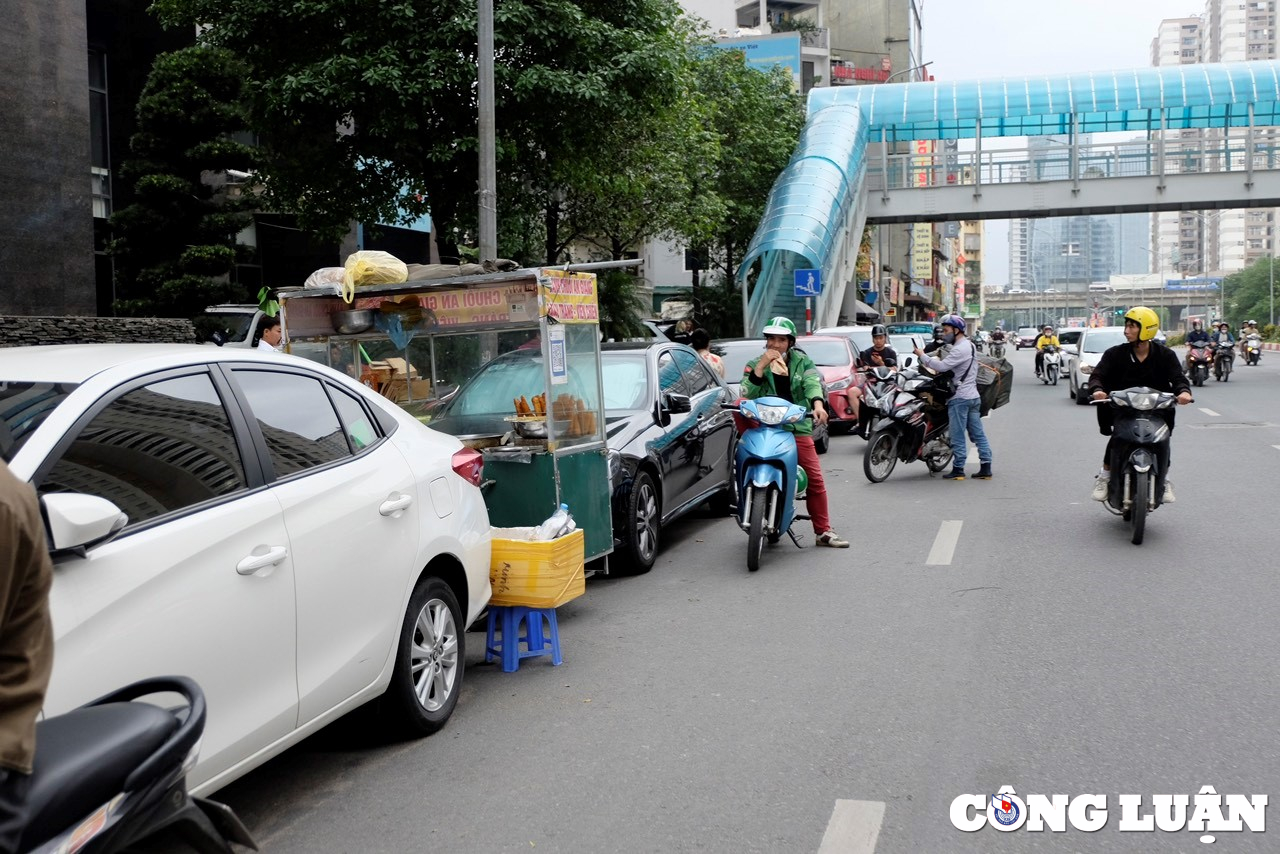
(1247, 294)
(756, 118)
(367, 110)
(174, 247)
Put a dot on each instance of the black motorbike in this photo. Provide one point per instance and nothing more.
(111, 776)
(911, 424)
(1139, 454)
(1223, 357)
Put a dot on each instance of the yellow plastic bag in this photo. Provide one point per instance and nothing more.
(371, 267)
(536, 574)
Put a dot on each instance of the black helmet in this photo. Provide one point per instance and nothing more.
(937, 332)
(879, 329)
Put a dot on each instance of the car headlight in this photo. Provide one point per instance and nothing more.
(840, 385)
(771, 415)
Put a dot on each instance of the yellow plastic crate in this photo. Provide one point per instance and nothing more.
(536, 574)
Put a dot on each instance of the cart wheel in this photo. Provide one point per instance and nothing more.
(644, 526)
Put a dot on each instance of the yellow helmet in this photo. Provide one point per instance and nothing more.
(1148, 321)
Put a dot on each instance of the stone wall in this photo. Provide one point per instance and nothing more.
(46, 219)
(22, 331)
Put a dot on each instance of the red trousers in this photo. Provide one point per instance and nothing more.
(817, 487)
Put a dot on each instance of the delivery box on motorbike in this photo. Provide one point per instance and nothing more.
(995, 383)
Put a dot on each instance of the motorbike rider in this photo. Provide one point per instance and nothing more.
(1223, 339)
(1250, 328)
(1046, 338)
(1140, 361)
(938, 342)
(26, 646)
(1197, 337)
(784, 371)
(879, 354)
(963, 408)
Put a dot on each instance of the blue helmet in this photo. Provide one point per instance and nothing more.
(953, 320)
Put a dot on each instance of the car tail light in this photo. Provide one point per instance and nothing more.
(469, 465)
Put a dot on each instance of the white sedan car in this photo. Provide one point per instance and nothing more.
(1088, 352)
(272, 529)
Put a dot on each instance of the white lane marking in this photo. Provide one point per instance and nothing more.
(1209, 412)
(853, 828)
(1277, 447)
(944, 545)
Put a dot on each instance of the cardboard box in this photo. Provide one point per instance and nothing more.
(536, 574)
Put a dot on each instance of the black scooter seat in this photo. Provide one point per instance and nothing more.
(83, 758)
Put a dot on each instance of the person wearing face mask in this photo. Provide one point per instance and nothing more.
(964, 406)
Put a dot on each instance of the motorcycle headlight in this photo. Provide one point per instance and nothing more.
(771, 415)
(840, 385)
(1144, 401)
(795, 419)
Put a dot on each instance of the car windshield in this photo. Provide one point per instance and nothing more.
(493, 390)
(232, 325)
(735, 355)
(826, 353)
(1099, 340)
(23, 408)
(902, 344)
(1028, 332)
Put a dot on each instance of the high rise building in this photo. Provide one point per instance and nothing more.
(1191, 242)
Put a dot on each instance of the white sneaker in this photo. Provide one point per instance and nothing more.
(1168, 493)
(1101, 485)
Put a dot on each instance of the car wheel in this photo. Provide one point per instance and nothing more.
(644, 526)
(430, 660)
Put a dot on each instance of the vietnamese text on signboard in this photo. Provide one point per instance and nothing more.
(569, 297)
(431, 309)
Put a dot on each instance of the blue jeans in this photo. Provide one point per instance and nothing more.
(964, 414)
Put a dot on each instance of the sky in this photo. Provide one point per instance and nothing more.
(996, 38)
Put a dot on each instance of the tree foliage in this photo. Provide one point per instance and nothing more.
(756, 118)
(1247, 294)
(175, 245)
(367, 111)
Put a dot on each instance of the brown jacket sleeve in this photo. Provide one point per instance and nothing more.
(26, 630)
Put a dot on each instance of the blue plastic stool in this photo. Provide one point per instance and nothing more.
(537, 640)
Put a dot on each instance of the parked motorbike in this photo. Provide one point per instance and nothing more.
(911, 425)
(1223, 357)
(111, 776)
(1253, 349)
(1199, 357)
(1139, 455)
(767, 471)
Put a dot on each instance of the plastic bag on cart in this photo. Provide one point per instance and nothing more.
(369, 268)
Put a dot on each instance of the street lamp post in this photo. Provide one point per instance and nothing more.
(907, 71)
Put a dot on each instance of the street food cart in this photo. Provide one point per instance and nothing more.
(507, 362)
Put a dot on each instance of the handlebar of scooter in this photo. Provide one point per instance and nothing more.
(1107, 399)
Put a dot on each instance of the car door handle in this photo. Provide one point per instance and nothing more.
(392, 506)
(253, 563)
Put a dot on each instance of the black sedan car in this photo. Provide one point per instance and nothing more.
(670, 444)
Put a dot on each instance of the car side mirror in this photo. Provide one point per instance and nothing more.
(1070, 348)
(79, 522)
(677, 404)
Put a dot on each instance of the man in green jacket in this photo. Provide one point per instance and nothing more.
(786, 372)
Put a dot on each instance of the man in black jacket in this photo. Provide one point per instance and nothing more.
(1140, 361)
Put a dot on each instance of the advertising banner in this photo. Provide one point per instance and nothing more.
(568, 297)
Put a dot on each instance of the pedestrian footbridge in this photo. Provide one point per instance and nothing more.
(878, 154)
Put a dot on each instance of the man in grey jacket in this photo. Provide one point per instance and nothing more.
(964, 407)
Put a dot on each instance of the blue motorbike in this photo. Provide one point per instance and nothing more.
(766, 472)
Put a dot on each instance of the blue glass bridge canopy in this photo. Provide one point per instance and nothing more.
(1141, 99)
(815, 200)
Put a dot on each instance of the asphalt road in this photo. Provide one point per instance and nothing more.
(702, 708)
